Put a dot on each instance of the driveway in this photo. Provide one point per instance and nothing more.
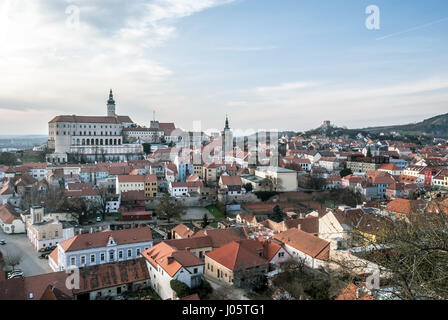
(196, 213)
(31, 265)
(233, 294)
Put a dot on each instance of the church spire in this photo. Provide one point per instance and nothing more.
(227, 123)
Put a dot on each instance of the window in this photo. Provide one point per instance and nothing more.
(102, 257)
(138, 251)
(281, 254)
(72, 261)
(92, 258)
(195, 270)
(111, 255)
(120, 254)
(83, 260)
(129, 252)
(56, 233)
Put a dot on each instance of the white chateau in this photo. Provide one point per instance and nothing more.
(92, 138)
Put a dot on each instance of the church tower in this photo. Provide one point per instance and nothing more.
(111, 105)
(227, 139)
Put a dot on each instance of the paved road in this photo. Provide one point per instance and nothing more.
(31, 265)
(196, 213)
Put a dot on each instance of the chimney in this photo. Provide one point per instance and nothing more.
(170, 259)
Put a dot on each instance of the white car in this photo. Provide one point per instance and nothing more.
(98, 219)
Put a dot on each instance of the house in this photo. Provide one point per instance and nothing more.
(284, 179)
(363, 227)
(247, 218)
(178, 189)
(166, 263)
(125, 183)
(329, 163)
(309, 224)
(10, 221)
(46, 234)
(402, 207)
(95, 282)
(111, 279)
(330, 229)
(100, 247)
(300, 245)
(238, 262)
(391, 168)
(231, 185)
(151, 187)
(6, 192)
(181, 231)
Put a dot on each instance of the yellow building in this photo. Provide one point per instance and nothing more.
(151, 186)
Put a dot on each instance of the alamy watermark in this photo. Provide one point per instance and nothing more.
(73, 13)
(373, 20)
(72, 282)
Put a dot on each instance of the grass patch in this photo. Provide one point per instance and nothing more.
(218, 214)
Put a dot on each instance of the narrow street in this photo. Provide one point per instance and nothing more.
(31, 265)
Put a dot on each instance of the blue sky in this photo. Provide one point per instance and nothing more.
(285, 64)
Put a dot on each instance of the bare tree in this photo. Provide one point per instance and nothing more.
(13, 259)
(411, 254)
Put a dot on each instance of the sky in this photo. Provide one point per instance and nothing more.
(268, 64)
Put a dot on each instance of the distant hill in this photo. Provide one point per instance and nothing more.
(21, 141)
(435, 127)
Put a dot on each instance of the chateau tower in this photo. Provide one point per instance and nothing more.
(111, 105)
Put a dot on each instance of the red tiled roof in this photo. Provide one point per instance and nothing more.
(100, 239)
(7, 214)
(238, 255)
(231, 180)
(183, 231)
(91, 119)
(305, 242)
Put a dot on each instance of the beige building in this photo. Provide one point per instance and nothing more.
(91, 138)
(126, 183)
(45, 234)
(284, 179)
(362, 166)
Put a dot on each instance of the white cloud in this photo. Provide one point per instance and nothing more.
(355, 106)
(286, 87)
(48, 65)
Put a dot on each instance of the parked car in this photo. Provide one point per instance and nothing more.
(98, 219)
(44, 255)
(15, 274)
(2, 242)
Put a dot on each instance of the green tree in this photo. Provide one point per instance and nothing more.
(170, 208)
(180, 288)
(345, 172)
(146, 148)
(8, 159)
(248, 187)
(277, 214)
(204, 222)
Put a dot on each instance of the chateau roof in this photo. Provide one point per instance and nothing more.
(91, 119)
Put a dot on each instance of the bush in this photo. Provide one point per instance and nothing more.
(318, 290)
(204, 290)
(181, 289)
(265, 195)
